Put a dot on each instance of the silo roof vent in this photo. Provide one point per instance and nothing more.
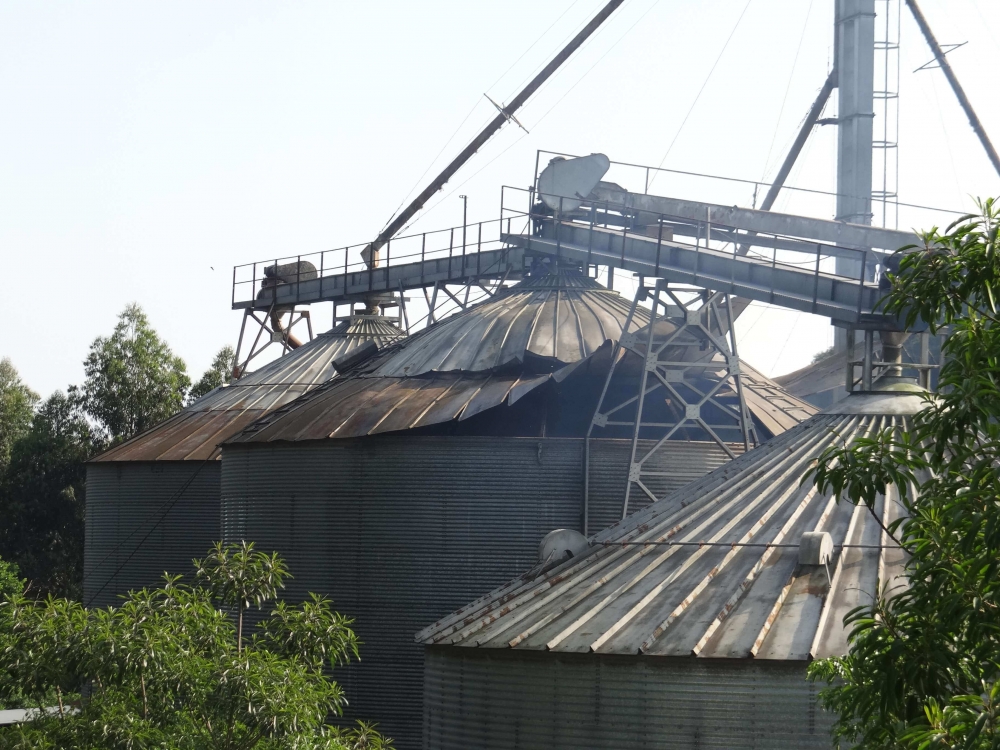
(815, 548)
(562, 544)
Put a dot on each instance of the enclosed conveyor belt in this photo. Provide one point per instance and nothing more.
(800, 284)
(792, 280)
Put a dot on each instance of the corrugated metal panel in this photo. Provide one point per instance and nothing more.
(689, 575)
(777, 409)
(564, 317)
(369, 404)
(401, 530)
(497, 700)
(450, 370)
(144, 518)
(195, 432)
(609, 459)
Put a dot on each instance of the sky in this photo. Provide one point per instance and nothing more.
(148, 148)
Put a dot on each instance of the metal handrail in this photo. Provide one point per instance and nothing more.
(424, 246)
(599, 214)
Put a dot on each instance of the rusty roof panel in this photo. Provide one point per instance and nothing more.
(477, 359)
(490, 393)
(712, 570)
(370, 403)
(196, 431)
(413, 394)
(334, 409)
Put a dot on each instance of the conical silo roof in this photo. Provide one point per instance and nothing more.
(555, 319)
(493, 353)
(713, 570)
(195, 432)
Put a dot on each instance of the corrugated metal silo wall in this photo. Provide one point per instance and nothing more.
(493, 700)
(681, 462)
(401, 530)
(175, 503)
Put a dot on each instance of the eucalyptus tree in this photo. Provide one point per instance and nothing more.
(217, 374)
(43, 495)
(17, 406)
(133, 379)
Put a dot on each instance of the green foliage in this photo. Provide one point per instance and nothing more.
(42, 498)
(923, 663)
(17, 405)
(241, 577)
(166, 669)
(133, 379)
(10, 585)
(218, 373)
(821, 355)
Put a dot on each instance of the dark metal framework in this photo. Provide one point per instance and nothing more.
(277, 332)
(689, 334)
(893, 361)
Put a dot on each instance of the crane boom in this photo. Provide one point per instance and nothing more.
(370, 253)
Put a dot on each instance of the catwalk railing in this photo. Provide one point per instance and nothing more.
(777, 269)
(621, 230)
(453, 255)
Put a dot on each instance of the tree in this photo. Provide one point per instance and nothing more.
(216, 375)
(11, 586)
(172, 668)
(923, 663)
(42, 498)
(133, 380)
(17, 405)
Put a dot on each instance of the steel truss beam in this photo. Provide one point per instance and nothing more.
(688, 382)
(277, 333)
(470, 268)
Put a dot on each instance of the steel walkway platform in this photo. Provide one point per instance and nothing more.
(809, 289)
(355, 285)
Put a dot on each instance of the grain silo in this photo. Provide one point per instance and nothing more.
(689, 624)
(429, 475)
(153, 501)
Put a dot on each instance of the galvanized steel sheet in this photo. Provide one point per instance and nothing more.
(195, 432)
(145, 518)
(514, 700)
(561, 317)
(401, 529)
(712, 570)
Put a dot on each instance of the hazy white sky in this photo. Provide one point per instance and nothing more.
(146, 148)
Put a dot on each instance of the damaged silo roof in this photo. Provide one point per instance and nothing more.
(195, 432)
(538, 331)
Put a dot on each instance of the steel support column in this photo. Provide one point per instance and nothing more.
(854, 61)
(677, 377)
(855, 65)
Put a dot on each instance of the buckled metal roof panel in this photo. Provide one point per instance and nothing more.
(195, 432)
(493, 353)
